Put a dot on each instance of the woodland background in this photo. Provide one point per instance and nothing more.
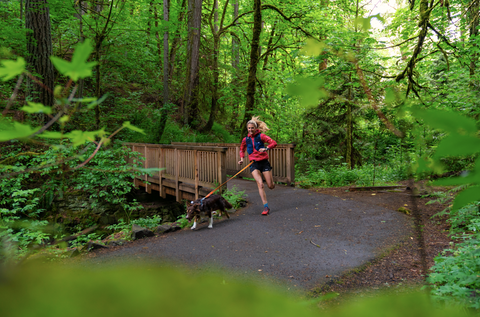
(363, 105)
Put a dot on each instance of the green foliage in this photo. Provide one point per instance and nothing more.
(456, 270)
(235, 197)
(182, 221)
(359, 176)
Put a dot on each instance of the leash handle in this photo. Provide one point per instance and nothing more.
(228, 179)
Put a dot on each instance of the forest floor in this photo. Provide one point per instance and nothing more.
(399, 268)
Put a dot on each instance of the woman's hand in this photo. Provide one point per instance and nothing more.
(263, 149)
(240, 162)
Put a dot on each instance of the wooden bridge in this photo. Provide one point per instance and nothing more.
(192, 170)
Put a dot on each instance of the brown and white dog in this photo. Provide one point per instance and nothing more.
(207, 206)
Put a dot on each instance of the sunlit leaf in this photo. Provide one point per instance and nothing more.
(10, 69)
(127, 125)
(15, 130)
(64, 119)
(389, 96)
(466, 196)
(78, 137)
(309, 90)
(51, 135)
(313, 47)
(35, 107)
(78, 67)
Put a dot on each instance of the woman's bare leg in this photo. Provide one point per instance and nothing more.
(269, 178)
(261, 190)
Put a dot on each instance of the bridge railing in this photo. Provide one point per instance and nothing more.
(281, 158)
(188, 171)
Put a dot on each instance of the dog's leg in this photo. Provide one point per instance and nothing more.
(210, 226)
(194, 223)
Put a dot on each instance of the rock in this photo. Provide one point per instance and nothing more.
(163, 229)
(176, 226)
(116, 243)
(74, 253)
(94, 246)
(404, 210)
(140, 232)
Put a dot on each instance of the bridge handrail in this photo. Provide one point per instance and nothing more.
(281, 158)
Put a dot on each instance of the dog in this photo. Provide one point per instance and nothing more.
(207, 206)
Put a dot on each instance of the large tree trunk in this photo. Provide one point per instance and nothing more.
(191, 95)
(39, 47)
(216, 41)
(81, 11)
(473, 30)
(165, 107)
(252, 70)
(235, 75)
(175, 44)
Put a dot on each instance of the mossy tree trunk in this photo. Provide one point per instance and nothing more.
(39, 47)
(252, 70)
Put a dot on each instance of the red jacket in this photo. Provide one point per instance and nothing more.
(256, 155)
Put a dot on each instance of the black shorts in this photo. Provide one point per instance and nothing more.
(262, 166)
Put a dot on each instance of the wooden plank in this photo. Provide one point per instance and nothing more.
(177, 172)
(161, 164)
(195, 158)
(288, 165)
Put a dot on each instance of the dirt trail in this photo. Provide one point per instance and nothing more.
(307, 237)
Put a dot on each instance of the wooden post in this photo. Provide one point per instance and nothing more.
(161, 164)
(197, 178)
(147, 187)
(222, 171)
(289, 166)
(177, 174)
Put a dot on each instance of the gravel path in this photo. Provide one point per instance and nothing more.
(307, 239)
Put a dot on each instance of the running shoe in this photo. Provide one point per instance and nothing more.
(265, 211)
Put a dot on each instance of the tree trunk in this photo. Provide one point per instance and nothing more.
(235, 75)
(216, 40)
(165, 106)
(252, 70)
(269, 46)
(473, 30)
(349, 154)
(175, 44)
(21, 11)
(39, 47)
(81, 12)
(191, 92)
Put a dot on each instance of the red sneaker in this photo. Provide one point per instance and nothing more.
(265, 211)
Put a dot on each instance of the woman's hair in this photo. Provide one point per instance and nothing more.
(259, 124)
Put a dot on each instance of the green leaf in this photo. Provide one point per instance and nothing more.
(309, 90)
(51, 135)
(457, 145)
(78, 67)
(10, 69)
(127, 125)
(35, 107)
(389, 96)
(466, 196)
(97, 101)
(78, 137)
(313, 47)
(448, 121)
(15, 130)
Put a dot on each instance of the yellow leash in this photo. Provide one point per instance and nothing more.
(229, 179)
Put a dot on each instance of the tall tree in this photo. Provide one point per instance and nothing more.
(39, 47)
(190, 100)
(252, 69)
